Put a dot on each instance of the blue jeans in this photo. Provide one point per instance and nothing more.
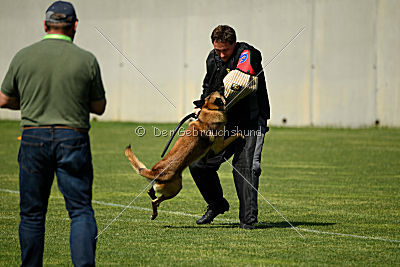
(66, 152)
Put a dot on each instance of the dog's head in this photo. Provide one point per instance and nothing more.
(215, 101)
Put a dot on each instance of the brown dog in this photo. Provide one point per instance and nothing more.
(202, 135)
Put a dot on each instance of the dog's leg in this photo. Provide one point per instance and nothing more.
(221, 144)
(152, 193)
(156, 202)
(155, 205)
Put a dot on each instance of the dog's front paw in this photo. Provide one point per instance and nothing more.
(153, 216)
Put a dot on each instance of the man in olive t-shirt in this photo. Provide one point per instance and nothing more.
(55, 81)
(56, 85)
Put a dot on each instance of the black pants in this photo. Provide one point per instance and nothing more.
(204, 173)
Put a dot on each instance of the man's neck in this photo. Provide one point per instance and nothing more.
(61, 33)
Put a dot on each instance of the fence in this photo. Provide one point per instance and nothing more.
(343, 70)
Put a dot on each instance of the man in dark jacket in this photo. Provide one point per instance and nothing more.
(249, 116)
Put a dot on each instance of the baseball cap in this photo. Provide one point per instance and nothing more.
(61, 11)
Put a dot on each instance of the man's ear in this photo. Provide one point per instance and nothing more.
(75, 25)
(45, 26)
(218, 101)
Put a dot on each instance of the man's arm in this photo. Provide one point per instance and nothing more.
(263, 101)
(262, 92)
(251, 63)
(98, 107)
(9, 102)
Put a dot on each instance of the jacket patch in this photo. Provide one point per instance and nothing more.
(243, 57)
(244, 63)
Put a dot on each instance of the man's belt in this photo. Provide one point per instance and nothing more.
(81, 130)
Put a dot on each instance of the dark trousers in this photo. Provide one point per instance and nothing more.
(66, 152)
(204, 173)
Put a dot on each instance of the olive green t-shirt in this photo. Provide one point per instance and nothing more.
(55, 81)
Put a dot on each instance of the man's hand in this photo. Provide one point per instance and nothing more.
(9, 102)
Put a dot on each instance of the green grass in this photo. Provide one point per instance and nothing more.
(344, 181)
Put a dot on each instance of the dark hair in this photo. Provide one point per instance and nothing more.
(223, 34)
(65, 27)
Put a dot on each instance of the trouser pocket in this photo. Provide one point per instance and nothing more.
(31, 156)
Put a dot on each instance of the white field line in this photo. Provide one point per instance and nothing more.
(9, 191)
(178, 213)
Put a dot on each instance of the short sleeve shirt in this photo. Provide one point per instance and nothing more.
(55, 81)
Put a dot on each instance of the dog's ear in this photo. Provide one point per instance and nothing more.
(199, 103)
(218, 101)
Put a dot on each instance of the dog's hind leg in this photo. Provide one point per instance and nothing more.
(152, 193)
(155, 203)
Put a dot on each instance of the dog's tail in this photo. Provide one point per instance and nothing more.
(136, 164)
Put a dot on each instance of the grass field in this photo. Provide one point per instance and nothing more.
(340, 187)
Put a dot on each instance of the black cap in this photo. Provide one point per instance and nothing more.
(61, 11)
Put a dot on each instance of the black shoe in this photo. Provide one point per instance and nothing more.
(247, 226)
(213, 212)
